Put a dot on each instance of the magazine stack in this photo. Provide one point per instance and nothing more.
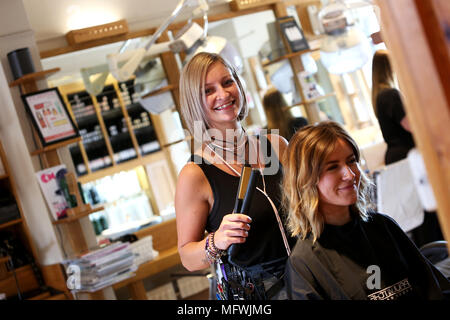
(101, 268)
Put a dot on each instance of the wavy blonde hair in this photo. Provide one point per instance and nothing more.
(192, 90)
(305, 159)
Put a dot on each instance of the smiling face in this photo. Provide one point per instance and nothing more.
(339, 181)
(223, 102)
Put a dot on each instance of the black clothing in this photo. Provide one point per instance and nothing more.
(298, 123)
(294, 125)
(429, 231)
(390, 112)
(342, 264)
(264, 242)
(261, 259)
(399, 142)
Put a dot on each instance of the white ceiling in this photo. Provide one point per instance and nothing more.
(66, 15)
(52, 19)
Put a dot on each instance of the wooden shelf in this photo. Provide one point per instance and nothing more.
(160, 90)
(26, 280)
(31, 77)
(328, 95)
(4, 176)
(164, 238)
(78, 216)
(55, 146)
(332, 94)
(165, 259)
(124, 166)
(10, 223)
(287, 56)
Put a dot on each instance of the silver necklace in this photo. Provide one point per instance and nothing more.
(243, 137)
(277, 215)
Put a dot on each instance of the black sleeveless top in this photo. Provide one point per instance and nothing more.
(264, 242)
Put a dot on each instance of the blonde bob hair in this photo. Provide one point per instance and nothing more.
(305, 160)
(192, 90)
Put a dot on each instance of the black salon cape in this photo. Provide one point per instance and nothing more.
(336, 266)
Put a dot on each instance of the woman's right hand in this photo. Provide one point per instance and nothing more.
(233, 229)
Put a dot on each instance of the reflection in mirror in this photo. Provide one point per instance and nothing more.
(90, 67)
(256, 44)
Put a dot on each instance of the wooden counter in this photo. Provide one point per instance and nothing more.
(165, 242)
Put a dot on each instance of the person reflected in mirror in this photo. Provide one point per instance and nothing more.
(394, 125)
(345, 251)
(389, 110)
(278, 116)
(213, 104)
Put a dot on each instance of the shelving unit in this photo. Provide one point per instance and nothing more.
(50, 158)
(29, 277)
(10, 223)
(115, 128)
(310, 105)
(287, 56)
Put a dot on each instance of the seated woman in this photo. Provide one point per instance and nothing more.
(344, 251)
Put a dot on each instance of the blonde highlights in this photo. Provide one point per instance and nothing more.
(192, 90)
(305, 158)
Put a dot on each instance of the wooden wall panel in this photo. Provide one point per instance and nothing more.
(425, 93)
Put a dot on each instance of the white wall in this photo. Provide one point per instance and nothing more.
(35, 210)
(17, 138)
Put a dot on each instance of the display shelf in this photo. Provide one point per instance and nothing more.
(125, 166)
(25, 279)
(10, 223)
(32, 77)
(86, 121)
(28, 277)
(325, 96)
(164, 240)
(287, 56)
(119, 121)
(78, 216)
(55, 146)
(309, 101)
(167, 88)
(49, 157)
(109, 115)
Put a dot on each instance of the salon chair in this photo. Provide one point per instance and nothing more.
(437, 253)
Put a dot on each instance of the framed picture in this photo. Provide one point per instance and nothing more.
(293, 34)
(50, 116)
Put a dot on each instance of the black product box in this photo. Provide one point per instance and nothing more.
(9, 212)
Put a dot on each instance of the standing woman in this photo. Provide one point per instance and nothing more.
(396, 132)
(388, 107)
(213, 105)
(345, 252)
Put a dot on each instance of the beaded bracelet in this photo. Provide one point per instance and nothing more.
(212, 252)
(213, 245)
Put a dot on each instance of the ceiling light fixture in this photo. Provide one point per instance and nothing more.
(186, 40)
(346, 48)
